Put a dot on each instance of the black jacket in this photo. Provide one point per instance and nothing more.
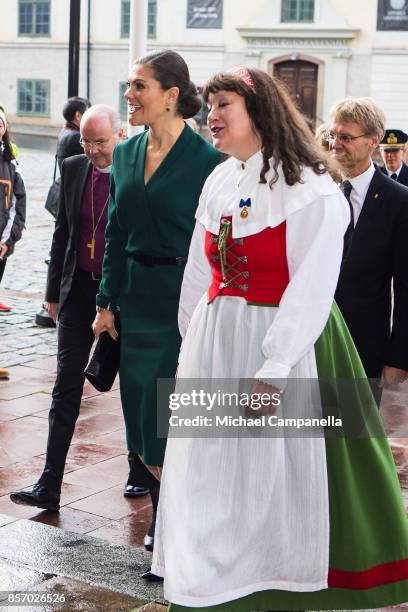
(378, 258)
(12, 203)
(403, 175)
(68, 145)
(74, 173)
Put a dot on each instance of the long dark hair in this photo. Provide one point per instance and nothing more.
(285, 135)
(8, 154)
(170, 69)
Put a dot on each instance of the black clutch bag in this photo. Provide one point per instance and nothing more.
(104, 364)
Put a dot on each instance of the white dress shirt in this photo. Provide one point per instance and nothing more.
(358, 194)
(397, 172)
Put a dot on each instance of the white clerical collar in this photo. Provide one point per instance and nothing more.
(104, 170)
(361, 182)
(394, 171)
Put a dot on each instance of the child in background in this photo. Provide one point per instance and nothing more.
(12, 204)
(12, 200)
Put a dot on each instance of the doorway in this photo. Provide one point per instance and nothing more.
(301, 80)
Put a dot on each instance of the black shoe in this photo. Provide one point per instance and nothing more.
(134, 491)
(148, 542)
(152, 577)
(39, 496)
(43, 319)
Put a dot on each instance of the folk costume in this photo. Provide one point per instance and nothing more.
(274, 523)
(147, 240)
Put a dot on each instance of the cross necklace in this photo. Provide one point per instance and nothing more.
(91, 245)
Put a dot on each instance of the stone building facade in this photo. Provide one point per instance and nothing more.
(323, 49)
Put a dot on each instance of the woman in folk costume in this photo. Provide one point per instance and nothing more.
(156, 180)
(272, 523)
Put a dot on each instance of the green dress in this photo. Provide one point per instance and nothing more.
(156, 218)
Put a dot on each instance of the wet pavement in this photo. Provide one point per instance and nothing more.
(92, 550)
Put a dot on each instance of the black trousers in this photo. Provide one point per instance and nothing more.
(75, 339)
(2, 266)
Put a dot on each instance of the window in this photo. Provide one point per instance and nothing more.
(297, 10)
(125, 19)
(34, 18)
(33, 97)
(123, 107)
(151, 19)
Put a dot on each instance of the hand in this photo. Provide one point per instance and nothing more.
(391, 377)
(52, 309)
(267, 397)
(3, 249)
(105, 321)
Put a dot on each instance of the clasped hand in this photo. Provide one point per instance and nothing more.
(105, 321)
(265, 397)
(3, 249)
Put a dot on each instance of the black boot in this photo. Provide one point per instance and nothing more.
(142, 475)
(132, 488)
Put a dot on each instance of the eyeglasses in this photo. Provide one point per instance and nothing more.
(330, 136)
(100, 144)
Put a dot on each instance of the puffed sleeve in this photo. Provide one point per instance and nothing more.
(196, 279)
(314, 242)
(114, 260)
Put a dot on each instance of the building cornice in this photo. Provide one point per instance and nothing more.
(95, 46)
(298, 37)
(309, 31)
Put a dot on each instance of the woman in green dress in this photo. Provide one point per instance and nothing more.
(156, 180)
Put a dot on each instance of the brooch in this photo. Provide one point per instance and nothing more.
(245, 204)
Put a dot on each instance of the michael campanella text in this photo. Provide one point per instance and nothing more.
(261, 421)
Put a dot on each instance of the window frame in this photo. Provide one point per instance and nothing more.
(47, 85)
(151, 19)
(34, 5)
(297, 19)
(122, 102)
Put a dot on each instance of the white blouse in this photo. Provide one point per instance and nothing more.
(316, 215)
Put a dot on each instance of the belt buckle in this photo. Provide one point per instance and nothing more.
(96, 277)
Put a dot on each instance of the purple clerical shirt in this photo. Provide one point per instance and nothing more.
(99, 182)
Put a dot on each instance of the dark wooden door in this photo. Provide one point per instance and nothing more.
(301, 79)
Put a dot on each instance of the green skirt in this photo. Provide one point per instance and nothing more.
(150, 345)
(368, 565)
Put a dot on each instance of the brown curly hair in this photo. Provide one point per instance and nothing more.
(286, 138)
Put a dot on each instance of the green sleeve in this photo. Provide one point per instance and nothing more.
(114, 260)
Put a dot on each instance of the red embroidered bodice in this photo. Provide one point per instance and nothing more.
(254, 267)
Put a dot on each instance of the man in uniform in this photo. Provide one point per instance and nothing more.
(392, 150)
(73, 281)
(376, 244)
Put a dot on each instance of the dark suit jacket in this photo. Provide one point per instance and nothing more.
(403, 175)
(74, 173)
(68, 145)
(377, 257)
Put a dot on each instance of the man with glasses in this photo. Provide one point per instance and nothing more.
(392, 151)
(376, 244)
(73, 282)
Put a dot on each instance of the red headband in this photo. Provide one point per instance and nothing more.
(243, 73)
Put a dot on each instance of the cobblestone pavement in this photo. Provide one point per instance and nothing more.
(24, 279)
